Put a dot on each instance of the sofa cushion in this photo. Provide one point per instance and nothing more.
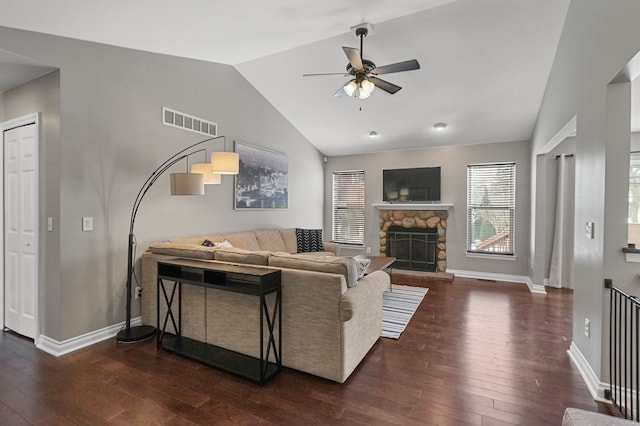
(199, 239)
(236, 255)
(309, 240)
(196, 251)
(316, 253)
(270, 240)
(290, 241)
(345, 266)
(243, 240)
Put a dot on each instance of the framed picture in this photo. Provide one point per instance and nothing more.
(263, 181)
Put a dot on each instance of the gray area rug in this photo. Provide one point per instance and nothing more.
(398, 306)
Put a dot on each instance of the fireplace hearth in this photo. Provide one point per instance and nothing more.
(413, 248)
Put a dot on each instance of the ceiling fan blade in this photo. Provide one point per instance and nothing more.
(409, 65)
(330, 73)
(354, 58)
(340, 93)
(384, 85)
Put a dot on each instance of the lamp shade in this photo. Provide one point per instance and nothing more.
(350, 87)
(367, 86)
(363, 94)
(187, 184)
(209, 178)
(225, 163)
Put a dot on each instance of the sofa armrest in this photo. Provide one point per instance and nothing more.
(576, 416)
(369, 288)
(331, 247)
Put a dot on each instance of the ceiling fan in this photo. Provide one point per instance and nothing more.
(364, 72)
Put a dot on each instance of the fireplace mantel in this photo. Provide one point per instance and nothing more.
(412, 206)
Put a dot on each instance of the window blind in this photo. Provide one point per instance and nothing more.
(491, 203)
(348, 207)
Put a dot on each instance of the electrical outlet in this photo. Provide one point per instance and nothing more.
(587, 327)
(87, 223)
(368, 250)
(138, 292)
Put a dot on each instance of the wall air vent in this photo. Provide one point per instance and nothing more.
(174, 118)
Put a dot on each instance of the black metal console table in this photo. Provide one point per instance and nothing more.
(240, 279)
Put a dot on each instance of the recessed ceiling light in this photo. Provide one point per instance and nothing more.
(373, 134)
(440, 126)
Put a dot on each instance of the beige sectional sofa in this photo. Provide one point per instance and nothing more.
(579, 417)
(331, 314)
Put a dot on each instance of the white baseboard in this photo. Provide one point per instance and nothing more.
(595, 386)
(57, 348)
(520, 279)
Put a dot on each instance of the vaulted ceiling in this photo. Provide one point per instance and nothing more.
(484, 64)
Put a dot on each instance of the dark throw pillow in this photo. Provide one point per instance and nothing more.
(309, 240)
(207, 243)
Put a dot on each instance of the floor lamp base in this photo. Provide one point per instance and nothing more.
(136, 334)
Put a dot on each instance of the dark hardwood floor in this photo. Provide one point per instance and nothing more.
(476, 352)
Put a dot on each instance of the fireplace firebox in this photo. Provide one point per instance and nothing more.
(413, 248)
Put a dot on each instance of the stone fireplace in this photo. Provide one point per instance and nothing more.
(418, 221)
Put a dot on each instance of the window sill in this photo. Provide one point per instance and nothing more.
(492, 256)
(631, 255)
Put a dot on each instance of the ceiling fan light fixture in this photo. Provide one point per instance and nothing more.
(350, 87)
(362, 94)
(367, 86)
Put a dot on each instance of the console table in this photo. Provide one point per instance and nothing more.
(236, 278)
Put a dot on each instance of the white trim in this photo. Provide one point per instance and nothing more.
(632, 257)
(568, 130)
(412, 206)
(595, 386)
(57, 348)
(492, 256)
(519, 279)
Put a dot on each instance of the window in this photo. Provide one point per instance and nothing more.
(491, 202)
(348, 207)
(634, 189)
(633, 230)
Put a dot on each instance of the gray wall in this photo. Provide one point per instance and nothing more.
(453, 162)
(598, 40)
(111, 139)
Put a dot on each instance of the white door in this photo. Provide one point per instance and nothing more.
(21, 229)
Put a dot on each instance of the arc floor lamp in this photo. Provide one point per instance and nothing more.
(181, 184)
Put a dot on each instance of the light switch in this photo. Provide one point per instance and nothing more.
(87, 223)
(588, 227)
(49, 224)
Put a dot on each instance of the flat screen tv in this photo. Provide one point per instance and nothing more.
(411, 185)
